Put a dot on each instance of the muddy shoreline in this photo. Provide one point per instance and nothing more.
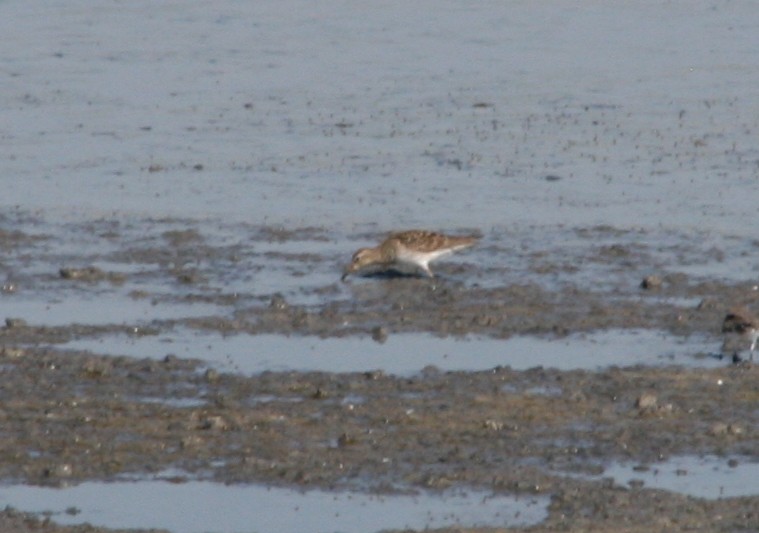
(535, 432)
(71, 416)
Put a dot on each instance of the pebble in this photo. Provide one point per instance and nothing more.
(63, 470)
(722, 428)
(15, 323)
(12, 352)
(278, 302)
(214, 423)
(493, 425)
(9, 288)
(647, 400)
(90, 273)
(379, 334)
(651, 282)
(345, 440)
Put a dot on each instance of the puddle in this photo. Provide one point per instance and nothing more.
(199, 506)
(408, 353)
(108, 308)
(709, 476)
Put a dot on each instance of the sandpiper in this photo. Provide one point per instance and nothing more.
(740, 327)
(407, 251)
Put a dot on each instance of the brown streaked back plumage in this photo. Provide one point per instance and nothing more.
(427, 241)
(403, 249)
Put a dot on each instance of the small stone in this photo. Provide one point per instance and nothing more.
(493, 425)
(15, 323)
(646, 401)
(9, 288)
(301, 319)
(191, 441)
(651, 282)
(189, 278)
(12, 352)
(706, 304)
(211, 375)
(95, 368)
(719, 428)
(379, 334)
(63, 470)
(89, 273)
(345, 440)
(216, 423)
(278, 302)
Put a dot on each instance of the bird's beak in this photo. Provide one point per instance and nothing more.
(346, 273)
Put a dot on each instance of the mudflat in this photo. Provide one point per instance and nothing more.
(72, 415)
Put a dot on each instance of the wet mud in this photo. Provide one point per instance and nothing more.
(70, 416)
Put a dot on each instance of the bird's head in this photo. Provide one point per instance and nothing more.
(362, 258)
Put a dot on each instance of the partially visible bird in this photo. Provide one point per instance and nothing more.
(740, 327)
(407, 251)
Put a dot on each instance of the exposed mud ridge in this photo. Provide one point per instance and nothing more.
(440, 307)
(445, 308)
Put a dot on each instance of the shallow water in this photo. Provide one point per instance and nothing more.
(702, 477)
(441, 115)
(109, 308)
(197, 506)
(409, 353)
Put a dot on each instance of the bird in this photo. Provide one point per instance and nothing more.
(407, 251)
(740, 326)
